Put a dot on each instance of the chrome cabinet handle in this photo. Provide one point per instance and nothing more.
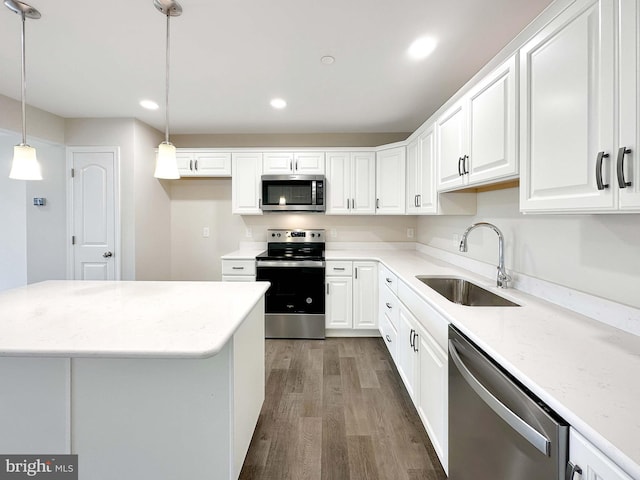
(572, 470)
(529, 433)
(107, 254)
(388, 338)
(389, 306)
(601, 156)
(622, 183)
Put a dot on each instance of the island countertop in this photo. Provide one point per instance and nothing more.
(123, 319)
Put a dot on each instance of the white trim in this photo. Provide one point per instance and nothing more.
(118, 221)
(605, 311)
(349, 332)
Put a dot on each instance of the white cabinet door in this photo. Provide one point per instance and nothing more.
(428, 194)
(308, 163)
(432, 396)
(278, 163)
(450, 147)
(363, 183)
(245, 183)
(390, 180)
(365, 295)
(413, 182)
(339, 303)
(212, 164)
(593, 463)
(407, 350)
(492, 126)
(185, 163)
(338, 188)
(629, 48)
(567, 111)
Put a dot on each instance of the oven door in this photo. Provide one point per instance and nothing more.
(295, 301)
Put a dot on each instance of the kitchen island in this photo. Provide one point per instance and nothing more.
(159, 380)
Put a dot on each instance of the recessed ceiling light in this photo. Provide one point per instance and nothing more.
(327, 59)
(149, 104)
(422, 47)
(278, 103)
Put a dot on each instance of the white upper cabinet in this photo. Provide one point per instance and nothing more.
(567, 112)
(286, 163)
(351, 183)
(476, 137)
(203, 163)
(246, 183)
(627, 157)
(390, 181)
(492, 152)
(450, 147)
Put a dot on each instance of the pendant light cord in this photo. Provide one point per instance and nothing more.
(166, 112)
(24, 86)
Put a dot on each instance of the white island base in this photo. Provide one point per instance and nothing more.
(139, 418)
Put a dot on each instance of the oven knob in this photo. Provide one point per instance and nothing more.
(279, 234)
(273, 234)
(313, 235)
(309, 299)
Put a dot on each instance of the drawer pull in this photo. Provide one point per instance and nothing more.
(388, 305)
(339, 269)
(388, 338)
(622, 183)
(599, 183)
(237, 268)
(388, 280)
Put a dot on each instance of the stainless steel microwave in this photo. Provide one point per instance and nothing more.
(293, 193)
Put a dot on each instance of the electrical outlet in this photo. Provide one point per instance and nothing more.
(456, 240)
(248, 232)
(205, 232)
(410, 232)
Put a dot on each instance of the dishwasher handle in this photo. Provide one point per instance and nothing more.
(529, 433)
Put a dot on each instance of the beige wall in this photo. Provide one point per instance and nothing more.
(152, 209)
(596, 254)
(40, 124)
(292, 140)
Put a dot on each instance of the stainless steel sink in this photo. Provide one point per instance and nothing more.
(459, 290)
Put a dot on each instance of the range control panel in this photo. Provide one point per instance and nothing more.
(298, 235)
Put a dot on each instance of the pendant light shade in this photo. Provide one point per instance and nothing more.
(25, 164)
(166, 165)
(166, 162)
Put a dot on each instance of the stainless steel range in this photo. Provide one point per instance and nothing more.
(294, 264)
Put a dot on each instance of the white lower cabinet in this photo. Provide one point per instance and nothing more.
(593, 464)
(238, 270)
(351, 295)
(408, 351)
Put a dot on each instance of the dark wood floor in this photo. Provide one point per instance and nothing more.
(336, 409)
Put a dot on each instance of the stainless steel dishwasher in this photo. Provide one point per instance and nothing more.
(497, 429)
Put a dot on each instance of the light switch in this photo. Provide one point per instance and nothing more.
(39, 202)
(410, 232)
(205, 232)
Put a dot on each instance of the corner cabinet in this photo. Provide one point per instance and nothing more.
(476, 137)
(246, 197)
(390, 181)
(567, 112)
(203, 163)
(351, 183)
(593, 464)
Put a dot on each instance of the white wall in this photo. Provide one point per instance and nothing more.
(596, 254)
(13, 215)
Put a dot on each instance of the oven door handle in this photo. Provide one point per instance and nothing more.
(289, 264)
(529, 433)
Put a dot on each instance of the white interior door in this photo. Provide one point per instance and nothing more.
(94, 219)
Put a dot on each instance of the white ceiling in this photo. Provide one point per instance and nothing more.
(99, 59)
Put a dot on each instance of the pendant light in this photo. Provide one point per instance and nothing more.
(166, 163)
(25, 164)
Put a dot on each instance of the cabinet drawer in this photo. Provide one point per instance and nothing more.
(339, 268)
(389, 336)
(389, 306)
(238, 267)
(389, 279)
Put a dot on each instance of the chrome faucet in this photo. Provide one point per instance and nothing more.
(503, 279)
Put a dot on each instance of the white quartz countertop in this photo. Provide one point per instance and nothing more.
(585, 370)
(123, 319)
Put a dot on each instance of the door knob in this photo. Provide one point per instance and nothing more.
(107, 254)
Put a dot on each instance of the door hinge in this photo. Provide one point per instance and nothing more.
(73, 239)
(73, 172)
